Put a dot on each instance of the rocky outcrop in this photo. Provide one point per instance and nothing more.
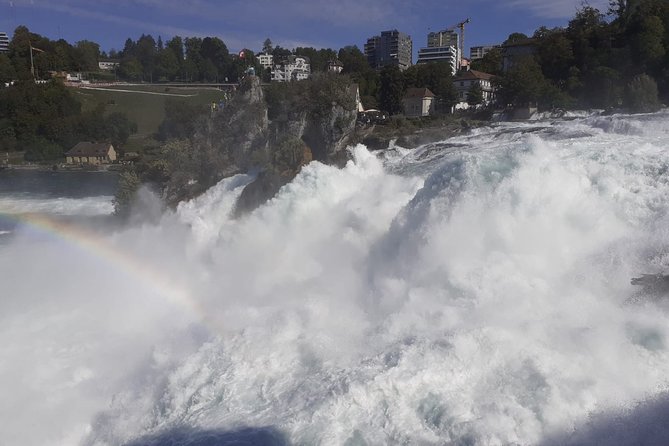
(275, 133)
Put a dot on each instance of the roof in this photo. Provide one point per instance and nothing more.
(85, 148)
(473, 75)
(418, 93)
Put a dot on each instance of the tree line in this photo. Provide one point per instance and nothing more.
(618, 58)
(45, 120)
(604, 60)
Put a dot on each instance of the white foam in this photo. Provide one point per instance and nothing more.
(470, 292)
(88, 206)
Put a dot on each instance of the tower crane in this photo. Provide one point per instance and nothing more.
(461, 27)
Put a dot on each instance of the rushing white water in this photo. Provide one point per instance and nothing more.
(473, 291)
(88, 206)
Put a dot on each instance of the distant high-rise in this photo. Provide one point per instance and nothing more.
(4, 43)
(477, 52)
(390, 48)
(442, 46)
(447, 37)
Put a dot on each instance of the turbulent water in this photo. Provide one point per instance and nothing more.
(474, 291)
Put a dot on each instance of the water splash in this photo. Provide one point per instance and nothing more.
(471, 291)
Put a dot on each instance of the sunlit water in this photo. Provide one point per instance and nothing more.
(474, 291)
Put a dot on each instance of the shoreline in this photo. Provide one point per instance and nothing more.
(59, 168)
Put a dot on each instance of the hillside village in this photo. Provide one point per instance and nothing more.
(613, 61)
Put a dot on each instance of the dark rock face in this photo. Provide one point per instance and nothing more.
(329, 134)
(260, 191)
(312, 119)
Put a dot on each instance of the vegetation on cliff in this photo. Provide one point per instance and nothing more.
(45, 120)
(272, 132)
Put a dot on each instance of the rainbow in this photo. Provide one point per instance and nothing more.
(103, 250)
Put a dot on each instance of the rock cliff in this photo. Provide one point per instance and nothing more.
(274, 134)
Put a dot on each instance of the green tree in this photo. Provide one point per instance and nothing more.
(86, 56)
(130, 68)
(214, 50)
(194, 60)
(118, 128)
(648, 41)
(523, 84)
(602, 88)
(475, 94)
(437, 77)
(146, 55)
(641, 94)
(554, 54)
(490, 63)
(391, 90)
(128, 185)
(7, 72)
(167, 65)
(515, 38)
(180, 119)
(176, 45)
(267, 46)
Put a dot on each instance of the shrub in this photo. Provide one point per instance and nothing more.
(641, 94)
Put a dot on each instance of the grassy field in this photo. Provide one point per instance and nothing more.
(144, 105)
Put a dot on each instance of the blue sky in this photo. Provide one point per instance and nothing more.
(246, 23)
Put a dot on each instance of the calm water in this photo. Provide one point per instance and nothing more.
(49, 184)
(69, 195)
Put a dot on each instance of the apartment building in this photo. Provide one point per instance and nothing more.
(477, 52)
(442, 46)
(4, 43)
(295, 68)
(390, 48)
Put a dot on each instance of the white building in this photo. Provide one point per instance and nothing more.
(448, 54)
(477, 52)
(466, 79)
(108, 65)
(4, 43)
(335, 66)
(418, 102)
(295, 68)
(74, 77)
(265, 60)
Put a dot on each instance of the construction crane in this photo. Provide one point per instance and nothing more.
(461, 46)
(461, 26)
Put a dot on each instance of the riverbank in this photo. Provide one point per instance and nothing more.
(62, 167)
(413, 132)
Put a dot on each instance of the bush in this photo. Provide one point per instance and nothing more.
(641, 95)
(128, 184)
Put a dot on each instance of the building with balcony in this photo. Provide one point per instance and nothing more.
(448, 54)
(108, 65)
(477, 52)
(335, 66)
(4, 43)
(390, 48)
(467, 79)
(294, 68)
(442, 46)
(265, 60)
(447, 37)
